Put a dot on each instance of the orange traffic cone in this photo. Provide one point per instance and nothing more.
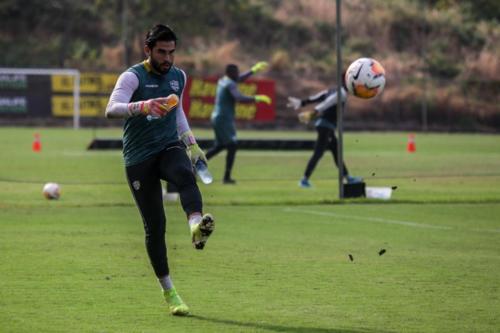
(410, 146)
(37, 144)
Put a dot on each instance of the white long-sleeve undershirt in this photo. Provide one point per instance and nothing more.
(118, 105)
(330, 101)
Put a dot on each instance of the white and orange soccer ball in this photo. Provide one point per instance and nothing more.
(51, 191)
(365, 78)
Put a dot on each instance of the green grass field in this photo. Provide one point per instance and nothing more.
(278, 261)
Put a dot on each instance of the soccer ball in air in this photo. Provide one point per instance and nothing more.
(365, 78)
(51, 191)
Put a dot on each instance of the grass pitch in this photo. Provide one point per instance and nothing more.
(279, 260)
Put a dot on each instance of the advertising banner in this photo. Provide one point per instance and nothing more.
(199, 102)
(24, 95)
(95, 89)
(52, 96)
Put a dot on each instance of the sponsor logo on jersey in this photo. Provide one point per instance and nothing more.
(174, 84)
(151, 85)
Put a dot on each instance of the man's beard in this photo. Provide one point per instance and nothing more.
(157, 66)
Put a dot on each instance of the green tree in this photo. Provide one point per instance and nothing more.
(49, 33)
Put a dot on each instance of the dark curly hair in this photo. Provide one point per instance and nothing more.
(159, 32)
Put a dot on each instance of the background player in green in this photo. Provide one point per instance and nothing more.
(223, 116)
(155, 137)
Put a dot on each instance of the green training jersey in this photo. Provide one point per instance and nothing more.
(224, 101)
(142, 138)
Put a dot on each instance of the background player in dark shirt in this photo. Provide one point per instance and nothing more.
(324, 115)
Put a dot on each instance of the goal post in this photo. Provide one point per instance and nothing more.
(74, 73)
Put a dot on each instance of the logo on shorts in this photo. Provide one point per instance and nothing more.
(174, 84)
(136, 185)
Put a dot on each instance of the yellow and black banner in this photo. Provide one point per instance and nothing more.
(199, 99)
(52, 96)
(26, 95)
(95, 89)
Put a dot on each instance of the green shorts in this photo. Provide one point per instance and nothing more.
(225, 132)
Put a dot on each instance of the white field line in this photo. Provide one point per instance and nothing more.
(487, 230)
(368, 219)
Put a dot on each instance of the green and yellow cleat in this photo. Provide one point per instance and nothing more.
(176, 304)
(201, 231)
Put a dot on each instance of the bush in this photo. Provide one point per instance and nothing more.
(362, 45)
(408, 26)
(280, 60)
(294, 34)
(440, 62)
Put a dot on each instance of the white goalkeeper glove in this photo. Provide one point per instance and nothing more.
(294, 103)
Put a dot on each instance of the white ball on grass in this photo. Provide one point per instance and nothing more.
(51, 191)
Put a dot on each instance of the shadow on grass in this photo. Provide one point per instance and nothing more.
(279, 328)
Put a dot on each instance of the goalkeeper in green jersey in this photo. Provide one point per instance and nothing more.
(223, 116)
(156, 136)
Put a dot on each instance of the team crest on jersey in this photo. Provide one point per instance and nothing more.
(174, 84)
(136, 185)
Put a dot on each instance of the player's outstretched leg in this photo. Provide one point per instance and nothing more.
(201, 231)
(175, 303)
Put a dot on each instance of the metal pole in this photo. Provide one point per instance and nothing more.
(339, 105)
(424, 102)
(423, 41)
(124, 22)
(76, 102)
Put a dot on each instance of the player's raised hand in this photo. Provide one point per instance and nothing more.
(260, 66)
(263, 99)
(294, 103)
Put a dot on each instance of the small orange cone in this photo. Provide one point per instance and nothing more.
(410, 146)
(37, 144)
